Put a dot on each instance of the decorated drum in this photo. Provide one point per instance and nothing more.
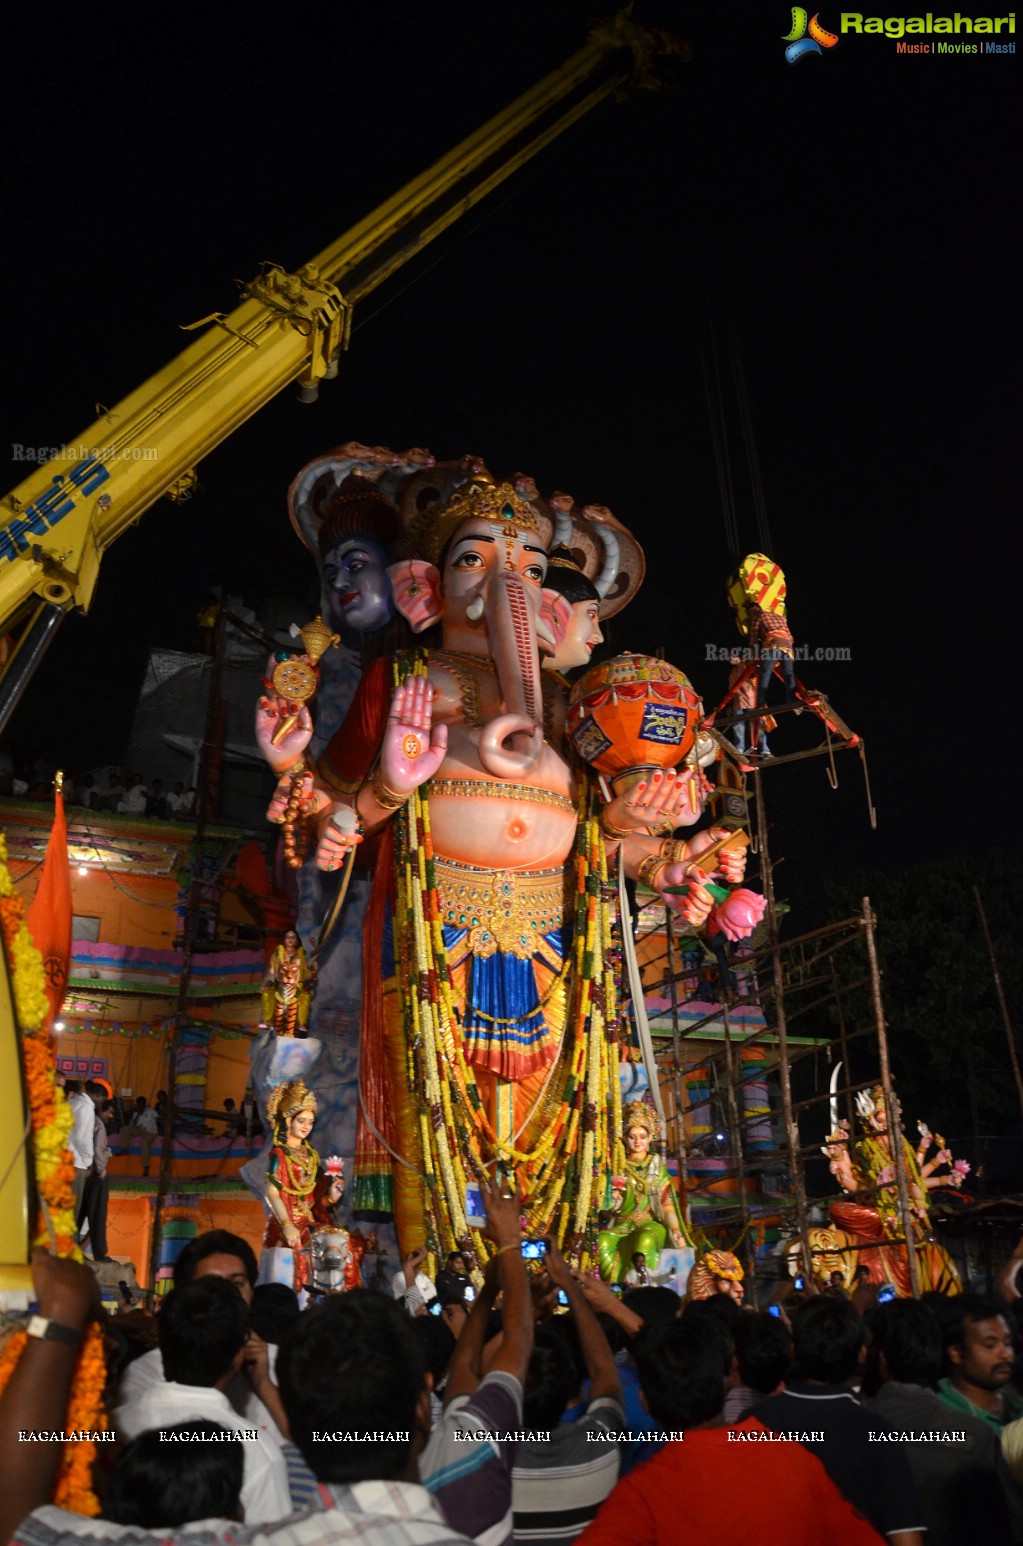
(758, 578)
(633, 714)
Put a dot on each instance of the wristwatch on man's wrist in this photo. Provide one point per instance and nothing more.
(52, 1331)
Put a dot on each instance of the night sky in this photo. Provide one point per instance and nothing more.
(848, 220)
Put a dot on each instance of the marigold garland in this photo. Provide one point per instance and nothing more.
(54, 1175)
(574, 1135)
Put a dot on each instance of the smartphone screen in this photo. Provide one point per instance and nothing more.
(435, 1307)
(533, 1250)
(773, 1309)
(475, 1213)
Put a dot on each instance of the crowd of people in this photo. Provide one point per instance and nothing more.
(23, 778)
(534, 1407)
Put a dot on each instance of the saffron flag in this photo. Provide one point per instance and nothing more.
(49, 917)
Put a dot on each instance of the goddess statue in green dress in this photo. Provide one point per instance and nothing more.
(648, 1215)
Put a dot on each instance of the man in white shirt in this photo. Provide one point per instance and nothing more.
(97, 1188)
(80, 1139)
(144, 1122)
(133, 801)
(411, 1285)
(203, 1329)
(179, 802)
(253, 1391)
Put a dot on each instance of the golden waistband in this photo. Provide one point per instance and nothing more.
(497, 789)
(506, 910)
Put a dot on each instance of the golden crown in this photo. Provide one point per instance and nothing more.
(639, 1114)
(287, 1100)
(478, 500)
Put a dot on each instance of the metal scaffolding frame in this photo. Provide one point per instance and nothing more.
(796, 978)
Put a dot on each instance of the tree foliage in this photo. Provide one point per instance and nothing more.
(937, 985)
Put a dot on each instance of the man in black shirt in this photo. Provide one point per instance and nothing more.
(958, 1469)
(453, 1280)
(820, 1407)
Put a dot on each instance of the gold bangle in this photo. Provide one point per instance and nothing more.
(649, 869)
(609, 829)
(515, 1246)
(386, 798)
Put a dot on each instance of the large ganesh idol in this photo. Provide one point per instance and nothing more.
(490, 999)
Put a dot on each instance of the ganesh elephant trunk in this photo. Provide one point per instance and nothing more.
(512, 744)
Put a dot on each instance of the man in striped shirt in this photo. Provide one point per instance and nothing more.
(560, 1481)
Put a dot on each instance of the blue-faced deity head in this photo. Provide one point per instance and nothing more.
(360, 535)
(355, 578)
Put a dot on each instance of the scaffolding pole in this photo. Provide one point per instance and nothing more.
(735, 1138)
(892, 1114)
(195, 890)
(791, 1127)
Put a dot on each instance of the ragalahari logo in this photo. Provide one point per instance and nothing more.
(807, 35)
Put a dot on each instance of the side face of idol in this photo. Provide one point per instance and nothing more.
(580, 638)
(355, 576)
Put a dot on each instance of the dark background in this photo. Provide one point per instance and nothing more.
(850, 221)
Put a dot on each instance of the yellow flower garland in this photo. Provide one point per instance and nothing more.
(565, 1173)
(54, 1175)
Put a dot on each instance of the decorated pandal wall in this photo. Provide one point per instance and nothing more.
(129, 877)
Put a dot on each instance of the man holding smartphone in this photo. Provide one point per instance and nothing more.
(413, 1286)
(467, 1462)
(560, 1481)
(453, 1280)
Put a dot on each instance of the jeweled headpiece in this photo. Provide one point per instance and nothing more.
(639, 1114)
(478, 500)
(287, 1100)
(870, 1104)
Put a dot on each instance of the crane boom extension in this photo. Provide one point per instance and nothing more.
(55, 526)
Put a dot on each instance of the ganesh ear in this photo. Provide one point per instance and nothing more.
(417, 593)
(555, 616)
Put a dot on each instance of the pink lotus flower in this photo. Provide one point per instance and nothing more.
(738, 915)
(960, 1170)
(334, 1166)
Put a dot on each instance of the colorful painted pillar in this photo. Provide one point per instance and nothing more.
(180, 1225)
(705, 1168)
(190, 1068)
(755, 1105)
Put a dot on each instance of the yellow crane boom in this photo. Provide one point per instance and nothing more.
(57, 523)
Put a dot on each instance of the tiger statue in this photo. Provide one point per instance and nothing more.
(834, 1249)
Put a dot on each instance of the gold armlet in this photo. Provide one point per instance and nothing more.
(609, 829)
(386, 798)
(672, 851)
(650, 869)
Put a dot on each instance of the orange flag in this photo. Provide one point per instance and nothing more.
(49, 917)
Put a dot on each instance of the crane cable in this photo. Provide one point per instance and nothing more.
(719, 436)
(750, 446)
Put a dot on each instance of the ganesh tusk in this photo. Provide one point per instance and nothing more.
(544, 634)
(474, 611)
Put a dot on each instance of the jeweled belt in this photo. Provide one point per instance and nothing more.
(507, 910)
(496, 789)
